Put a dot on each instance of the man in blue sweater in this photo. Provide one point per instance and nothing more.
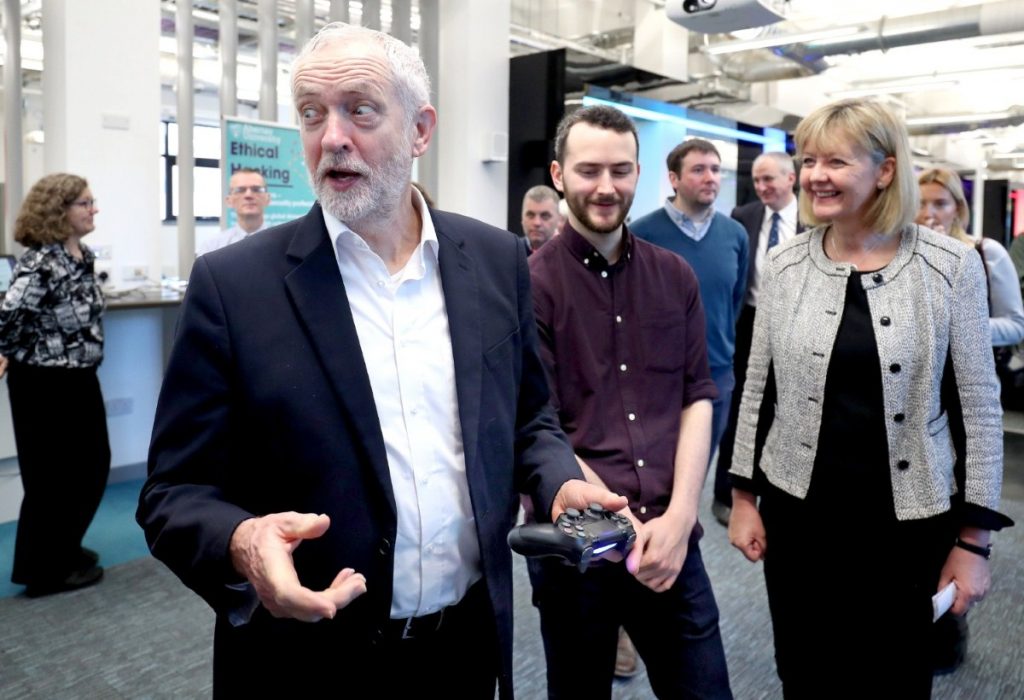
(717, 249)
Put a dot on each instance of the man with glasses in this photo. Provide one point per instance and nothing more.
(248, 196)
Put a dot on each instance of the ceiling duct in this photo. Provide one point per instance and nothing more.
(954, 23)
(956, 123)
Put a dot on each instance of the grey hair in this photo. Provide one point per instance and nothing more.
(539, 193)
(783, 159)
(408, 74)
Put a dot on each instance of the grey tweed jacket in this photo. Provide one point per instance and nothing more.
(928, 302)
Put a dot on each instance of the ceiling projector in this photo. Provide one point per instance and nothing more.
(721, 16)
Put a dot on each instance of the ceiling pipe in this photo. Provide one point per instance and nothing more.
(955, 23)
(957, 123)
(891, 32)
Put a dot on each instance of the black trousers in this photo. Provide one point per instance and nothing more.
(675, 632)
(850, 600)
(60, 429)
(267, 657)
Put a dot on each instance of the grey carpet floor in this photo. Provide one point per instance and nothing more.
(141, 634)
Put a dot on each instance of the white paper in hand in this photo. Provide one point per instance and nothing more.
(943, 600)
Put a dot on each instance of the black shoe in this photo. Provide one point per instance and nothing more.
(721, 512)
(86, 576)
(87, 557)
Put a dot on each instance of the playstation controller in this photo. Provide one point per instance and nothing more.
(578, 537)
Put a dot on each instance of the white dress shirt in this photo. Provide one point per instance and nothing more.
(402, 324)
(787, 229)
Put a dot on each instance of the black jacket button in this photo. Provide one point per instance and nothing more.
(876, 278)
(895, 367)
(902, 465)
(885, 320)
(898, 417)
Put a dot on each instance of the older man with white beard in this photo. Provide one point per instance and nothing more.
(353, 401)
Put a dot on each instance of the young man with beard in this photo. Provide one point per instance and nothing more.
(622, 339)
(351, 405)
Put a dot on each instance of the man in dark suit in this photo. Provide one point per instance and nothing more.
(770, 220)
(353, 401)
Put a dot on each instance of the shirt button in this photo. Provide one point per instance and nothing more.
(380, 283)
(414, 410)
(604, 273)
(895, 367)
(876, 278)
(618, 319)
(622, 368)
(639, 463)
(898, 417)
(643, 509)
(631, 416)
(885, 320)
(903, 465)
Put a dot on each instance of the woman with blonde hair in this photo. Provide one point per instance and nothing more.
(859, 325)
(51, 334)
(944, 209)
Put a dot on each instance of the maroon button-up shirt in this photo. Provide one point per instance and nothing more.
(624, 349)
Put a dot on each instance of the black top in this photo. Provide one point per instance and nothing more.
(851, 466)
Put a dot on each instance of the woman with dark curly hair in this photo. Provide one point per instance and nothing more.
(52, 337)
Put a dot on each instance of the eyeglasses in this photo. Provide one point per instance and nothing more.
(87, 203)
(255, 189)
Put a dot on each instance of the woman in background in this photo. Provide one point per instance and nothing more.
(52, 337)
(944, 209)
(859, 322)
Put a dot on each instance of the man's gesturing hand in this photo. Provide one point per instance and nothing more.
(261, 551)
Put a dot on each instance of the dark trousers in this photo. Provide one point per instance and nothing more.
(676, 632)
(60, 429)
(744, 333)
(291, 659)
(851, 602)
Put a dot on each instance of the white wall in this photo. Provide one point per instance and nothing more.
(101, 112)
(472, 105)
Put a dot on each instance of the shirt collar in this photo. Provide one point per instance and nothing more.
(587, 254)
(686, 223)
(787, 214)
(342, 235)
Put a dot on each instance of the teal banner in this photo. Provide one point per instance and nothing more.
(276, 151)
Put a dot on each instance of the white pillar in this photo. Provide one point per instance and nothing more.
(228, 58)
(186, 113)
(101, 118)
(267, 22)
(471, 89)
(13, 130)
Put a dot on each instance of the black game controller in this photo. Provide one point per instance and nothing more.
(577, 537)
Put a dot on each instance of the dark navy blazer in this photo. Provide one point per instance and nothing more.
(266, 406)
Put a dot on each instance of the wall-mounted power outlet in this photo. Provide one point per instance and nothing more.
(135, 273)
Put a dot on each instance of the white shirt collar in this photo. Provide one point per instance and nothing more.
(342, 235)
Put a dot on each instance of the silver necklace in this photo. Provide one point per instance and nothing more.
(868, 250)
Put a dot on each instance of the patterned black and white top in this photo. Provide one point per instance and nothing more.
(51, 316)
